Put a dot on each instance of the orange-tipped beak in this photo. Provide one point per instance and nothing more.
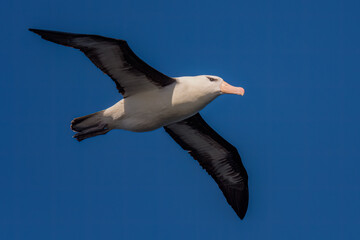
(227, 88)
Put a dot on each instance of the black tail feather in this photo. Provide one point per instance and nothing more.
(76, 122)
(89, 126)
(92, 131)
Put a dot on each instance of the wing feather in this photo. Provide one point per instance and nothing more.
(115, 58)
(217, 156)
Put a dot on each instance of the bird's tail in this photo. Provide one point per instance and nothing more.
(89, 126)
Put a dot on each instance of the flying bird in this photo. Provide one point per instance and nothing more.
(153, 100)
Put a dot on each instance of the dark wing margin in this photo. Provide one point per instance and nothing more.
(115, 58)
(217, 156)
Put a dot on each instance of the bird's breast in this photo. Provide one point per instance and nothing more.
(154, 109)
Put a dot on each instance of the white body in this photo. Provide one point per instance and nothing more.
(159, 107)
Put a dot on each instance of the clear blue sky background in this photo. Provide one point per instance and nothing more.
(296, 128)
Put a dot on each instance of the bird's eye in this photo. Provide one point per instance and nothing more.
(212, 79)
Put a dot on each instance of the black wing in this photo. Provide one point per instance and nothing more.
(115, 58)
(218, 157)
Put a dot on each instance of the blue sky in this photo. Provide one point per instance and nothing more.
(296, 128)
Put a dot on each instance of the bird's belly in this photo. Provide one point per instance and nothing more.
(152, 116)
(143, 121)
(152, 110)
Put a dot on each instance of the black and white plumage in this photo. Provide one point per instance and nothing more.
(153, 100)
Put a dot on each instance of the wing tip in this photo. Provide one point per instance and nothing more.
(241, 211)
(241, 214)
(238, 199)
(37, 31)
(45, 34)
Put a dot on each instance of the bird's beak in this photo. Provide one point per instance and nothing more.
(227, 88)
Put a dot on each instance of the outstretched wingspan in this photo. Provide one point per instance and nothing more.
(115, 58)
(217, 156)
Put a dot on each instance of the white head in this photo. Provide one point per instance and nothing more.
(203, 89)
(211, 86)
(191, 94)
(220, 86)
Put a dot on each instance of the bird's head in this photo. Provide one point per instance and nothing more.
(198, 91)
(218, 86)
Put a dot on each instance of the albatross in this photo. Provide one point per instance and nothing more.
(153, 100)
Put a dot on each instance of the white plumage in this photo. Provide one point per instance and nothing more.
(156, 108)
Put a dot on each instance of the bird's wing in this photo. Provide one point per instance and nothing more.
(115, 58)
(217, 156)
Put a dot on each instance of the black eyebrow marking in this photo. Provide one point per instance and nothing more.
(212, 79)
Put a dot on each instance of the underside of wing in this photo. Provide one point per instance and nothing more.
(218, 157)
(115, 58)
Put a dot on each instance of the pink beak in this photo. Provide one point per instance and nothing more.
(227, 88)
